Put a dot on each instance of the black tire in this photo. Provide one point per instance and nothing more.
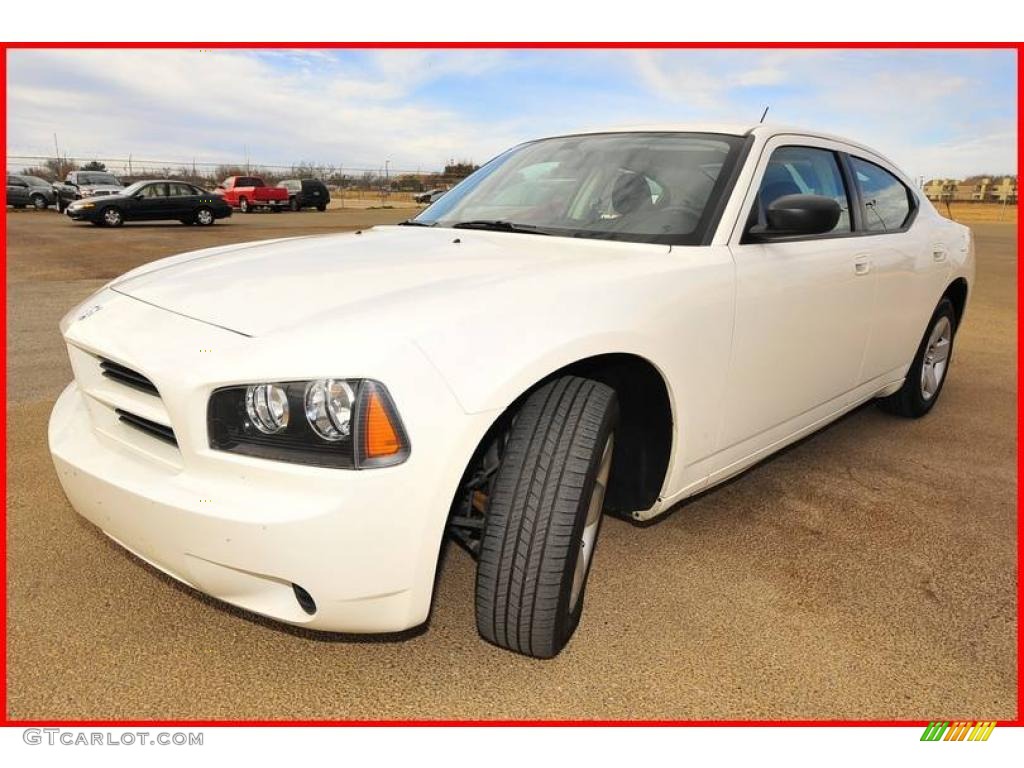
(111, 216)
(39, 202)
(322, 207)
(293, 203)
(911, 400)
(243, 205)
(536, 516)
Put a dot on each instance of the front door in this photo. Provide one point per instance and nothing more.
(150, 203)
(803, 305)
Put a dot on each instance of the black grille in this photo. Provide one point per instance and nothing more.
(127, 376)
(159, 431)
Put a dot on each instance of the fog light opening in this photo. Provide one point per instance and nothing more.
(304, 599)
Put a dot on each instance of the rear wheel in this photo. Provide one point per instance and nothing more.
(322, 207)
(927, 374)
(204, 217)
(544, 515)
(112, 217)
(294, 204)
(243, 205)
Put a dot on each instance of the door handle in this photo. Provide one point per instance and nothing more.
(861, 267)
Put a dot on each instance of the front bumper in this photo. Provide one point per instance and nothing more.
(88, 214)
(363, 544)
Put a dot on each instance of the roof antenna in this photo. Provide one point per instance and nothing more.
(764, 114)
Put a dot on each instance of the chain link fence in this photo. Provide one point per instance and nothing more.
(363, 182)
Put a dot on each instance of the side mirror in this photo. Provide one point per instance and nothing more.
(139, 196)
(795, 215)
(70, 183)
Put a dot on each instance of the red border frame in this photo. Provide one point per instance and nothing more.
(4, 47)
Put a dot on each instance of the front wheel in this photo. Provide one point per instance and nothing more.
(112, 217)
(927, 373)
(39, 202)
(543, 517)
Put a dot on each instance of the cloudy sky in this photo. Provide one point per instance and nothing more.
(935, 113)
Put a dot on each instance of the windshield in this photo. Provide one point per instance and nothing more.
(639, 187)
(132, 189)
(98, 178)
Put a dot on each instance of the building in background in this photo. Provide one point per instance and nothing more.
(979, 189)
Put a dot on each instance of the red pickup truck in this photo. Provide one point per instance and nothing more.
(247, 193)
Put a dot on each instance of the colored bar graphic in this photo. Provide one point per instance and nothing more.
(961, 730)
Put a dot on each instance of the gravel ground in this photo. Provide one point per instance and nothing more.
(867, 572)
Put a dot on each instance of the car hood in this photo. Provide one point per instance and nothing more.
(261, 288)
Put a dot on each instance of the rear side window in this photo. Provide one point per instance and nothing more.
(805, 171)
(887, 202)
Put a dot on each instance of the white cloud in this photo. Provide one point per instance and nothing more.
(185, 104)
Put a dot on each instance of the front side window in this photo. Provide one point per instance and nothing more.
(804, 171)
(887, 202)
(638, 187)
(154, 190)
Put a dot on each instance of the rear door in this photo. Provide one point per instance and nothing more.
(803, 305)
(17, 191)
(183, 200)
(313, 193)
(910, 262)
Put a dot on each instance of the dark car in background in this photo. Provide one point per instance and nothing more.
(24, 191)
(156, 200)
(78, 185)
(306, 193)
(429, 196)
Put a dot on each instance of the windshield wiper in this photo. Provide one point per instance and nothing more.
(413, 223)
(498, 225)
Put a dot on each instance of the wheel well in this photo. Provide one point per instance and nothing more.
(957, 294)
(643, 441)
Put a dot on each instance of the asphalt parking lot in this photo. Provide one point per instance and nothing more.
(868, 572)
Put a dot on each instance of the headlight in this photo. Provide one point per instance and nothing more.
(266, 405)
(346, 423)
(329, 405)
(81, 206)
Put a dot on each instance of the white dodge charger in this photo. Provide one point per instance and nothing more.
(605, 321)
